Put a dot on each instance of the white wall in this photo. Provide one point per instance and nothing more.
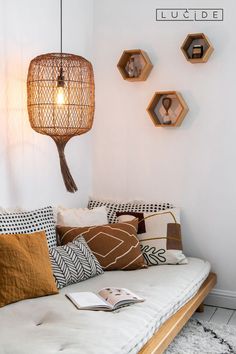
(29, 166)
(194, 166)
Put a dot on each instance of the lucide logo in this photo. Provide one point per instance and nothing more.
(190, 14)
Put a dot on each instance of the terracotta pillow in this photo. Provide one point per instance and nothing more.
(115, 246)
(25, 268)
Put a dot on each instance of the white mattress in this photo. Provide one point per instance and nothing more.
(51, 324)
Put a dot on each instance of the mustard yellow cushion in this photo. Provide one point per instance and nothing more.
(25, 268)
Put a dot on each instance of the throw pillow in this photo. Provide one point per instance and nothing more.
(25, 269)
(73, 263)
(112, 208)
(161, 243)
(82, 216)
(116, 246)
(30, 221)
(135, 206)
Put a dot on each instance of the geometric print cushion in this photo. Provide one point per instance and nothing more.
(116, 246)
(73, 263)
(136, 206)
(29, 222)
(161, 243)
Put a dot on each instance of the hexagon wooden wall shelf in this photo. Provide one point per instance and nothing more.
(176, 112)
(143, 64)
(197, 39)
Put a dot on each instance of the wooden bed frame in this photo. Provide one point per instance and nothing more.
(167, 332)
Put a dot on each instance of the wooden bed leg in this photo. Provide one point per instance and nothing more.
(200, 308)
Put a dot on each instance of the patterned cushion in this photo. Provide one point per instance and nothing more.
(116, 246)
(136, 206)
(25, 268)
(142, 207)
(30, 221)
(161, 243)
(73, 263)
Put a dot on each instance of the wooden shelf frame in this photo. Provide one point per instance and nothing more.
(145, 70)
(155, 101)
(198, 38)
(169, 330)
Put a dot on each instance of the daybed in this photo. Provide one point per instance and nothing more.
(51, 324)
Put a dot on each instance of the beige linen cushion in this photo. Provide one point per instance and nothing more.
(81, 216)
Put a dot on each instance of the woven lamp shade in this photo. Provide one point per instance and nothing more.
(72, 116)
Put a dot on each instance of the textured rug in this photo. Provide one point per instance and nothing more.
(199, 337)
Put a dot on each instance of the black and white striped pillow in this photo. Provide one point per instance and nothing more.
(73, 263)
(135, 206)
(28, 222)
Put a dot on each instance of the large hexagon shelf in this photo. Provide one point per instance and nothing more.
(197, 48)
(167, 109)
(135, 65)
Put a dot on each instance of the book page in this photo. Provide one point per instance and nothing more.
(116, 295)
(87, 299)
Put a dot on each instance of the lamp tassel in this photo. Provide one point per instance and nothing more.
(67, 177)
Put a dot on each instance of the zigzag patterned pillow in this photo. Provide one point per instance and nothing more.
(73, 263)
(135, 206)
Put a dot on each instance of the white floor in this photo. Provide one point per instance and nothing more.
(217, 315)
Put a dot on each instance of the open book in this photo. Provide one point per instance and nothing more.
(107, 299)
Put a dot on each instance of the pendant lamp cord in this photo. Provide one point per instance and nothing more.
(60, 78)
(61, 34)
(61, 26)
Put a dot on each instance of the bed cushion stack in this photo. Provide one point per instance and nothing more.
(31, 263)
(159, 229)
(106, 236)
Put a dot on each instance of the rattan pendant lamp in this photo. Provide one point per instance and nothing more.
(60, 99)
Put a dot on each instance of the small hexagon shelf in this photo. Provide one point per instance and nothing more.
(134, 65)
(167, 109)
(197, 48)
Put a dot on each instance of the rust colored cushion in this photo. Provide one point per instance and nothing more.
(25, 268)
(116, 246)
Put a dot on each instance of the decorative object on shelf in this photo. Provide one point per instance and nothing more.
(166, 102)
(197, 48)
(167, 108)
(134, 65)
(197, 51)
(60, 90)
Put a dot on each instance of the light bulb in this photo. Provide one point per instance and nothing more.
(60, 92)
(60, 95)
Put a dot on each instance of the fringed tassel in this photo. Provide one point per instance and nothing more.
(68, 179)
